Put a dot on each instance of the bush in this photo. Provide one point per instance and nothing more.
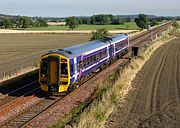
(99, 34)
(142, 21)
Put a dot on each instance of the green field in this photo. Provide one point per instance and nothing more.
(127, 26)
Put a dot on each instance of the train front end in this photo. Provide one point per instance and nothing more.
(54, 73)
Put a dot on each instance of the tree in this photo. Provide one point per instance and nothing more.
(175, 24)
(99, 34)
(80, 20)
(101, 19)
(42, 22)
(38, 22)
(128, 19)
(72, 22)
(153, 22)
(87, 21)
(24, 22)
(7, 23)
(1, 23)
(142, 21)
(117, 21)
(93, 20)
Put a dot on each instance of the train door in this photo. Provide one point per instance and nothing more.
(111, 51)
(53, 74)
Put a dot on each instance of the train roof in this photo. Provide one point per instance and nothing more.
(77, 50)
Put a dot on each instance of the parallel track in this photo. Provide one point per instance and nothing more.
(19, 104)
(31, 112)
(19, 92)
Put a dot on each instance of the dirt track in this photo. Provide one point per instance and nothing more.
(155, 100)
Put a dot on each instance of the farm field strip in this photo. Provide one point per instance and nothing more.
(155, 99)
(126, 26)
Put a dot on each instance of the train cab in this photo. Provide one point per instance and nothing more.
(54, 74)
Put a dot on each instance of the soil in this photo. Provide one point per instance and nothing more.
(21, 50)
(154, 101)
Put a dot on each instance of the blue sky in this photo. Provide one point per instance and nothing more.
(61, 8)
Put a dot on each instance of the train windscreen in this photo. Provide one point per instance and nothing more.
(44, 67)
(64, 68)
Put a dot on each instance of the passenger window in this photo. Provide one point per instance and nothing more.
(91, 59)
(84, 62)
(100, 55)
(94, 57)
(97, 57)
(44, 66)
(88, 61)
(105, 52)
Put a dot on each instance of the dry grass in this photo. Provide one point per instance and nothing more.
(98, 112)
(6, 31)
(18, 72)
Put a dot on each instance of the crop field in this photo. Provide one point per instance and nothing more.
(154, 101)
(126, 26)
(21, 50)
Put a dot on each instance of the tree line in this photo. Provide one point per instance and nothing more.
(142, 21)
(103, 19)
(22, 22)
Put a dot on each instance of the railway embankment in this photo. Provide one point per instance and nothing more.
(16, 81)
(112, 92)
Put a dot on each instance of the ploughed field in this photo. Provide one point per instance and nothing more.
(21, 50)
(154, 101)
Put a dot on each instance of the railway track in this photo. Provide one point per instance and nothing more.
(27, 106)
(17, 105)
(14, 94)
(31, 112)
(148, 35)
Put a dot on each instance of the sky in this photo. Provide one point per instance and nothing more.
(64, 8)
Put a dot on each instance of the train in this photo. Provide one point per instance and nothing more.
(61, 69)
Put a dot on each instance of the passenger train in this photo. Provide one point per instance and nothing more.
(61, 69)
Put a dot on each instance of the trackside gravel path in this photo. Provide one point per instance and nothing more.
(155, 100)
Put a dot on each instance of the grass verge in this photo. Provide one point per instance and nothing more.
(18, 72)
